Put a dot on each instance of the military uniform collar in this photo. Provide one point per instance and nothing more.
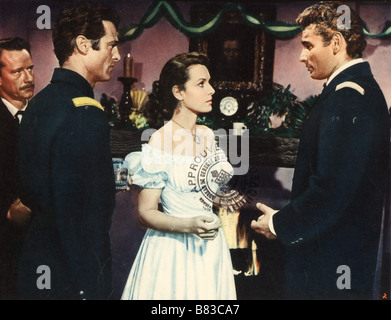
(344, 67)
(74, 79)
(348, 74)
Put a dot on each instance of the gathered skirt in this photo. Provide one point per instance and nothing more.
(178, 266)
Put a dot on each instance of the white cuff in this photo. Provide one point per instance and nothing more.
(271, 225)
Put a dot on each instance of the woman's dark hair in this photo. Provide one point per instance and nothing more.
(162, 103)
(325, 17)
(84, 19)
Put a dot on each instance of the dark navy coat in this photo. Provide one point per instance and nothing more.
(11, 236)
(68, 180)
(9, 177)
(334, 216)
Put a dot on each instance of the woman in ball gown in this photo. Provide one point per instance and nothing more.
(184, 254)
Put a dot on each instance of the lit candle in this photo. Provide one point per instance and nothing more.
(128, 66)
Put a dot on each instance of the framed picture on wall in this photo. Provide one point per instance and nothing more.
(233, 56)
(241, 56)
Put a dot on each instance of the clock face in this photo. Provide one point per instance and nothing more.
(229, 106)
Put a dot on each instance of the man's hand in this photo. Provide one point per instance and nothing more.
(18, 213)
(261, 225)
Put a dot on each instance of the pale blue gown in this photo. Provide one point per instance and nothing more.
(178, 266)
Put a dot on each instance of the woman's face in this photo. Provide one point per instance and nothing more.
(197, 95)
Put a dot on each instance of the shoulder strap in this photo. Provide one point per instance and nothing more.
(86, 101)
(352, 85)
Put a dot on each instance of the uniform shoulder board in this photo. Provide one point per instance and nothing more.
(352, 85)
(86, 101)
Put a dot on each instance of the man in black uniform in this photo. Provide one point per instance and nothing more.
(66, 166)
(331, 227)
(16, 89)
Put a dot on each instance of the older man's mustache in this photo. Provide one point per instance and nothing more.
(29, 86)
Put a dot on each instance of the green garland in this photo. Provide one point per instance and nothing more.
(159, 9)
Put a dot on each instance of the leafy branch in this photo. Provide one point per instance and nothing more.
(279, 102)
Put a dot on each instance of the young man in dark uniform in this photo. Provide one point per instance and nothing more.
(66, 165)
(16, 89)
(332, 226)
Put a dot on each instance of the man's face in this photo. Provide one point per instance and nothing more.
(101, 62)
(231, 49)
(17, 77)
(319, 60)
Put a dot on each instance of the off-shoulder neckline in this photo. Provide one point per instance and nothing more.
(164, 153)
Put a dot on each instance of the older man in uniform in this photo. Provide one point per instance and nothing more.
(66, 165)
(331, 227)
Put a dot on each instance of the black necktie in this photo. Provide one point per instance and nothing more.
(19, 115)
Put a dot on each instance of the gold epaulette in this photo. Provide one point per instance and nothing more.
(86, 101)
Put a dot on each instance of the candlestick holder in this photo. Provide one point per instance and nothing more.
(126, 106)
